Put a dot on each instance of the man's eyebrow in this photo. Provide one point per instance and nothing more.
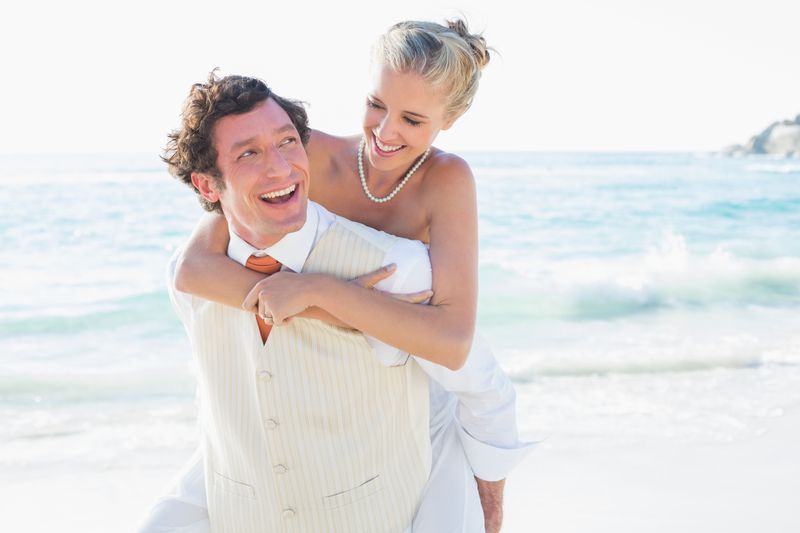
(420, 115)
(287, 128)
(244, 142)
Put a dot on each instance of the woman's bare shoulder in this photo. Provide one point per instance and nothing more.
(448, 189)
(448, 170)
(321, 141)
(325, 150)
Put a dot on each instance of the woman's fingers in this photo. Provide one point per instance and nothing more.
(370, 279)
(413, 297)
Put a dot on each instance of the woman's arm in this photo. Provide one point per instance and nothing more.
(205, 270)
(440, 332)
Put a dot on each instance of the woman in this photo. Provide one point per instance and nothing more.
(391, 178)
(425, 77)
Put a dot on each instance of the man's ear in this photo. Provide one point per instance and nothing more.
(206, 186)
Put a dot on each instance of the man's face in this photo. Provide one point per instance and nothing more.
(265, 170)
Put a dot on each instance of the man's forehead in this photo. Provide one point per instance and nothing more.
(266, 118)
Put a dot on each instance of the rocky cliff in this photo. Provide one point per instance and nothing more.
(781, 138)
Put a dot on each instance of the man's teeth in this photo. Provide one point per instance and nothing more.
(276, 194)
(387, 147)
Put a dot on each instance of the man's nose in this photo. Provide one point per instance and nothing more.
(276, 165)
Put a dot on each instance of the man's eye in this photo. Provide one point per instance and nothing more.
(246, 153)
(288, 140)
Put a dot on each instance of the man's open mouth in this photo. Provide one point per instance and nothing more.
(281, 196)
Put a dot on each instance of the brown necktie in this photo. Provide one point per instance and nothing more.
(266, 265)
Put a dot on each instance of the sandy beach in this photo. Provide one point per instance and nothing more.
(739, 487)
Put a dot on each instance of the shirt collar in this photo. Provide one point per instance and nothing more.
(292, 250)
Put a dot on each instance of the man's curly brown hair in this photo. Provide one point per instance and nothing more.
(191, 147)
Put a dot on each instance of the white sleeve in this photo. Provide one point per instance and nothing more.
(486, 397)
(181, 301)
(183, 508)
(486, 411)
(413, 274)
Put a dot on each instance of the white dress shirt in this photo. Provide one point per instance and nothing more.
(472, 410)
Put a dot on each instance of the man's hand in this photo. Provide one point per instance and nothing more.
(279, 297)
(491, 493)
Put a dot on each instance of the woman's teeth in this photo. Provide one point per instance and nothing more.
(278, 196)
(387, 147)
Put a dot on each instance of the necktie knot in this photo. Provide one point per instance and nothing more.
(264, 264)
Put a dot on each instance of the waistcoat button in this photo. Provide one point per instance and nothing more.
(280, 469)
(288, 513)
(271, 423)
(264, 375)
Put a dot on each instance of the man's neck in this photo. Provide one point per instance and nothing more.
(256, 241)
(291, 249)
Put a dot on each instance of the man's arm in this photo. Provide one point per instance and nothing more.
(181, 301)
(183, 507)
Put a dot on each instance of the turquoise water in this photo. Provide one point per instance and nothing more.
(626, 294)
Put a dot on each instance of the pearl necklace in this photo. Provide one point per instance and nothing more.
(414, 167)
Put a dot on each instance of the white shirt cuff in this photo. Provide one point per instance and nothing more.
(491, 463)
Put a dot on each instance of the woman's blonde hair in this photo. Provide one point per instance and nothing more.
(449, 57)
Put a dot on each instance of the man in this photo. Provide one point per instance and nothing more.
(319, 429)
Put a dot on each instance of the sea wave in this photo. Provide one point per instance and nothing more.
(666, 277)
(68, 388)
(675, 358)
(149, 309)
(775, 168)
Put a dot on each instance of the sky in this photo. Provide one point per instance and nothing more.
(568, 75)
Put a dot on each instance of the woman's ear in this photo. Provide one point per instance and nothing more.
(450, 121)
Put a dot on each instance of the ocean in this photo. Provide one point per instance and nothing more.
(631, 297)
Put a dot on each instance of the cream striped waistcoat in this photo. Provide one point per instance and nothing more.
(310, 433)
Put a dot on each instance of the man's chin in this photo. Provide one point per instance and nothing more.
(266, 235)
(299, 220)
(290, 225)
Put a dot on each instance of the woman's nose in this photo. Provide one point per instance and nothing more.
(386, 129)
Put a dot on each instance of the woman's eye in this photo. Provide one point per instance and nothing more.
(412, 122)
(376, 105)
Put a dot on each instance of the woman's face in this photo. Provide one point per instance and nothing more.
(403, 116)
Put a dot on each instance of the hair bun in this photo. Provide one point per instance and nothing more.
(476, 42)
